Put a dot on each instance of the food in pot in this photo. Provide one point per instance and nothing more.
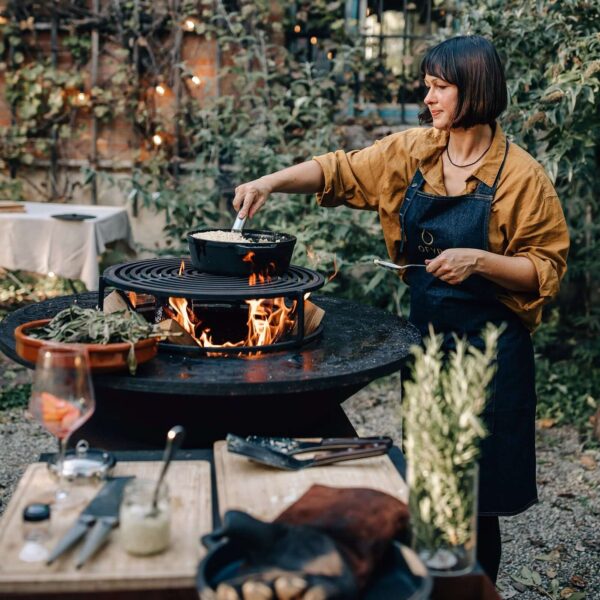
(219, 235)
(222, 236)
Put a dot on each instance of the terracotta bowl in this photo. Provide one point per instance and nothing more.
(103, 357)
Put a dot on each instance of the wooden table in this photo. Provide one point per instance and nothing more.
(171, 576)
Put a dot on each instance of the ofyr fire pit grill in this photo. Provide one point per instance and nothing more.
(169, 278)
(294, 390)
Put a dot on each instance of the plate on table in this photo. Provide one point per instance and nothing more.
(401, 575)
(73, 217)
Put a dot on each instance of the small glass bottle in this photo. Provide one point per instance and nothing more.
(144, 529)
(36, 531)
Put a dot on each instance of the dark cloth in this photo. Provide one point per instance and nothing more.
(489, 546)
(331, 537)
(432, 224)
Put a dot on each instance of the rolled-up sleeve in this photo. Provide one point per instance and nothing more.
(542, 236)
(353, 178)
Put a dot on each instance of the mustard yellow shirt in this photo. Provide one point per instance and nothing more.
(526, 217)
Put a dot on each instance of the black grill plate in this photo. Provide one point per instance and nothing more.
(160, 277)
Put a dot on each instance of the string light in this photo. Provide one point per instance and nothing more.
(157, 140)
(3, 20)
(81, 98)
(313, 40)
(196, 80)
(297, 29)
(160, 89)
(330, 55)
(189, 25)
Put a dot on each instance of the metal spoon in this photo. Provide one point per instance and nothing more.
(175, 436)
(238, 224)
(393, 266)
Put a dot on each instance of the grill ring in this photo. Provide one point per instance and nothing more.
(160, 277)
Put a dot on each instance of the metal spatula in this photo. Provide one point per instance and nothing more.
(238, 224)
(280, 460)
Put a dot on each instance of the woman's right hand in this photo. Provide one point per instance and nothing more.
(250, 197)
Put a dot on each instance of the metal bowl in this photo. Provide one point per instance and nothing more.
(84, 463)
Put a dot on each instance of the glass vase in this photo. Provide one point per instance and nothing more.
(443, 509)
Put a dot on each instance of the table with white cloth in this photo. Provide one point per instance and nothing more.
(35, 241)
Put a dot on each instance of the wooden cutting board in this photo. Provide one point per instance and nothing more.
(264, 492)
(112, 568)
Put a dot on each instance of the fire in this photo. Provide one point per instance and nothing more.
(181, 268)
(335, 270)
(262, 276)
(132, 298)
(268, 321)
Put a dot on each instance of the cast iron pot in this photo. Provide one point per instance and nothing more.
(271, 255)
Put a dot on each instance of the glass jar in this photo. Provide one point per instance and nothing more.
(443, 513)
(36, 531)
(144, 529)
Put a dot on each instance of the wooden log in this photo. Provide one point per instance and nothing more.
(313, 315)
(114, 302)
(176, 334)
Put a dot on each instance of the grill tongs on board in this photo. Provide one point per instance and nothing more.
(281, 452)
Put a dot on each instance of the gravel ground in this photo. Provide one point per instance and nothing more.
(550, 551)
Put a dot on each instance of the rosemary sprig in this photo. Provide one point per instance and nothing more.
(441, 408)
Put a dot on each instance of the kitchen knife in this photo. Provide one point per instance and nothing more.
(105, 505)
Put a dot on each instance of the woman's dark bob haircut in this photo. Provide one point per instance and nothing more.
(472, 64)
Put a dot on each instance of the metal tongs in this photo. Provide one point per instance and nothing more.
(281, 452)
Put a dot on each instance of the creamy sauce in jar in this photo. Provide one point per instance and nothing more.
(144, 530)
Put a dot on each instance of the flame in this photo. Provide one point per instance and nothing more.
(181, 268)
(132, 298)
(269, 319)
(262, 276)
(335, 270)
(183, 314)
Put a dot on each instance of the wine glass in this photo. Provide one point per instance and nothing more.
(62, 400)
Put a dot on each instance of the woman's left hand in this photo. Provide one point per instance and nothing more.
(454, 265)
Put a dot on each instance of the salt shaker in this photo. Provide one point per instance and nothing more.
(36, 531)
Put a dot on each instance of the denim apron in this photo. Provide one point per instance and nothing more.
(431, 224)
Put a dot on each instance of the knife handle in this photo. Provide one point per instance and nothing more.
(95, 539)
(357, 442)
(349, 454)
(70, 538)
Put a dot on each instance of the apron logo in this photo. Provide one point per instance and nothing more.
(427, 237)
(427, 246)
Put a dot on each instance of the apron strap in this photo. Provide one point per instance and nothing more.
(486, 190)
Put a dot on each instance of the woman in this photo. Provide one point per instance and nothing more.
(483, 217)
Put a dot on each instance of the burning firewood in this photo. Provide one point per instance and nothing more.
(313, 315)
(114, 302)
(175, 333)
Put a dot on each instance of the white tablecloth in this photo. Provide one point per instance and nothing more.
(34, 241)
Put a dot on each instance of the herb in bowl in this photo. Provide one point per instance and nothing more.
(77, 325)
